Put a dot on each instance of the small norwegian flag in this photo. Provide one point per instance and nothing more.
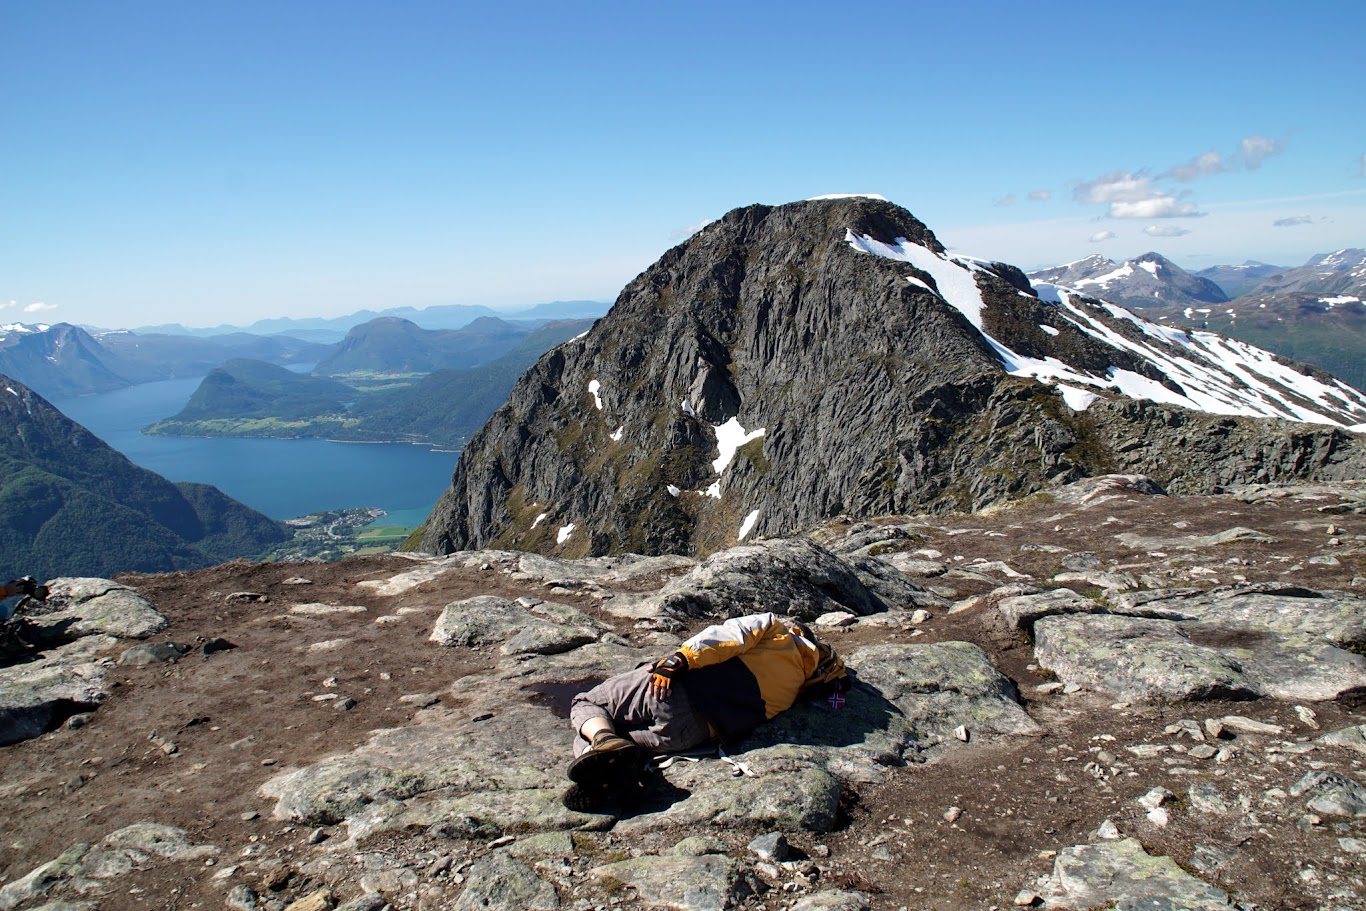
(836, 701)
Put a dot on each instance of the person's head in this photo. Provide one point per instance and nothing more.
(830, 675)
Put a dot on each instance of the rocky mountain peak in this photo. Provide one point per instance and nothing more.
(791, 363)
(1150, 280)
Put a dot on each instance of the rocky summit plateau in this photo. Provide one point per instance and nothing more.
(1099, 583)
(790, 364)
(1101, 696)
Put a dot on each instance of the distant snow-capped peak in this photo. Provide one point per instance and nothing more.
(1203, 370)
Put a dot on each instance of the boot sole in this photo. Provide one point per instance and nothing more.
(603, 767)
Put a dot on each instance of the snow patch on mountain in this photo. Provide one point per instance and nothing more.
(1104, 281)
(730, 436)
(848, 196)
(748, 525)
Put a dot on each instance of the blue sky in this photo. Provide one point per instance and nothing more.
(211, 163)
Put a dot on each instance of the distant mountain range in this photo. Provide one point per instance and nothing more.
(1337, 274)
(63, 360)
(246, 398)
(1239, 280)
(72, 506)
(453, 316)
(1312, 313)
(390, 345)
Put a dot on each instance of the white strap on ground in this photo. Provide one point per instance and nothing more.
(738, 768)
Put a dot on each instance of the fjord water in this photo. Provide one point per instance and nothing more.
(281, 478)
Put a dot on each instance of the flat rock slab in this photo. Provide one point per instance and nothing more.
(490, 620)
(787, 787)
(1023, 611)
(325, 610)
(480, 750)
(1284, 642)
(1138, 658)
(1353, 738)
(706, 883)
(497, 882)
(495, 764)
(429, 568)
(84, 870)
(1123, 876)
(833, 900)
(1195, 542)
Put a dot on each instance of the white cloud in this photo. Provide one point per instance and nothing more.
(40, 307)
(1199, 166)
(1117, 186)
(1046, 195)
(1102, 236)
(1007, 200)
(1131, 194)
(1140, 194)
(1293, 220)
(1254, 150)
(1155, 206)
(10, 305)
(685, 233)
(1164, 231)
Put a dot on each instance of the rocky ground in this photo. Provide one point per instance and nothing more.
(1103, 697)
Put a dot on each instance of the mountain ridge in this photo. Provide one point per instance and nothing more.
(62, 360)
(791, 363)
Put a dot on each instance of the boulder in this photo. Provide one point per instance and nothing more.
(1331, 794)
(38, 696)
(95, 607)
(1096, 490)
(790, 576)
(489, 620)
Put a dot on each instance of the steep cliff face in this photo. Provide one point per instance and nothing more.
(792, 363)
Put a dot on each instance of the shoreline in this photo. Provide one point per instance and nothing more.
(432, 446)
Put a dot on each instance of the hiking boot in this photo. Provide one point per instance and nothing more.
(583, 799)
(611, 759)
(614, 798)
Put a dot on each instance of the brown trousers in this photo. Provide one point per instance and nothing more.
(666, 725)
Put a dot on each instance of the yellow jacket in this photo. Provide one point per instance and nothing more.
(748, 669)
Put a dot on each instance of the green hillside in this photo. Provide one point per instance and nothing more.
(71, 505)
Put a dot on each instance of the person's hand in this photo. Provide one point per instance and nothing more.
(662, 674)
